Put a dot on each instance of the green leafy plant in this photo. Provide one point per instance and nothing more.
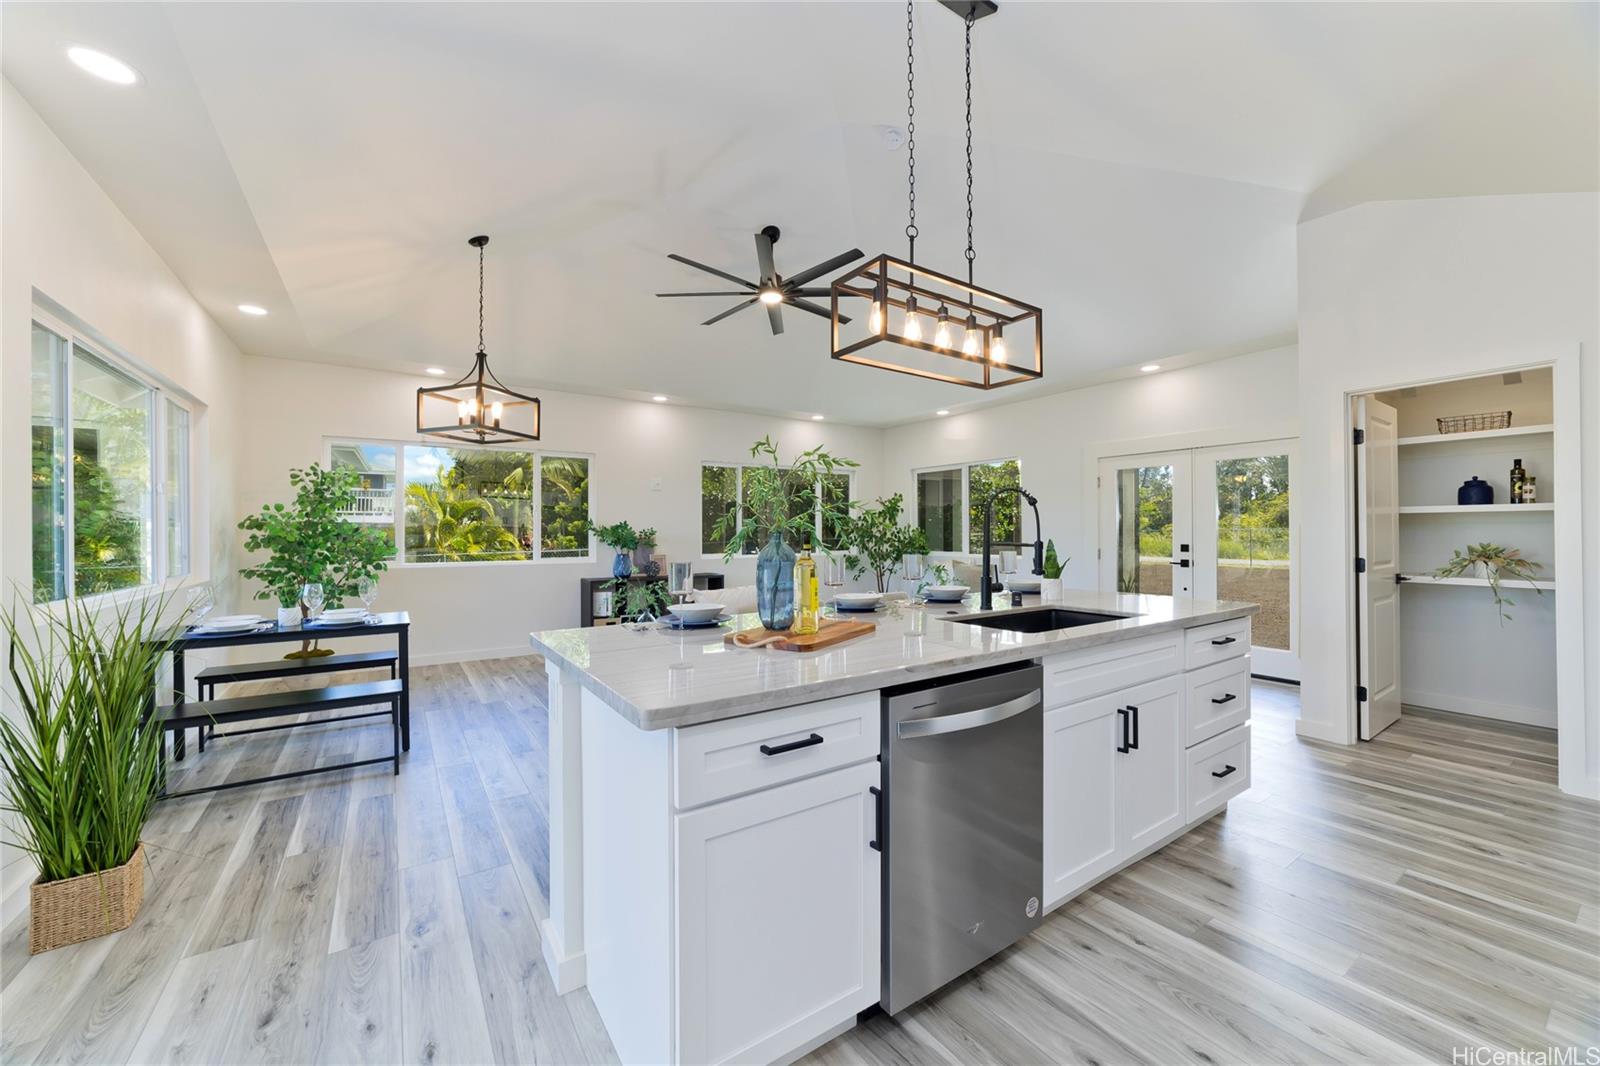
(786, 500)
(640, 600)
(310, 540)
(876, 541)
(620, 536)
(935, 574)
(1052, 565)
(1498, 563)
(81, 761)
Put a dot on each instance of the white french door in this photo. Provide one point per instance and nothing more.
(1212, 524)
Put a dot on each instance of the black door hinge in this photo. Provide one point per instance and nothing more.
(1361, 565)
(1360, 436)
(1361, 694)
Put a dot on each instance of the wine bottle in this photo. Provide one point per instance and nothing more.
(1518, 476)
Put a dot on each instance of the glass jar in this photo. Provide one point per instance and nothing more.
(775, 584)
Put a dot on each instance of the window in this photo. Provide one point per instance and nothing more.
(111, 485)
(950, 505)
(724, 488)
(468, 505)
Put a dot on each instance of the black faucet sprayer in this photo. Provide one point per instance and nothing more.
(985, 591)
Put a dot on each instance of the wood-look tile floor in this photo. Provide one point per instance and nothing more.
(1389, 902)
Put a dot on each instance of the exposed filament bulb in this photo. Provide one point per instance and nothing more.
(912, 330)
(941, 335)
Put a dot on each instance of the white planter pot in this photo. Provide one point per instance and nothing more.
(288, 617)
(1050, 590)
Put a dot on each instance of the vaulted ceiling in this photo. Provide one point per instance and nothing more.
(1140, 168)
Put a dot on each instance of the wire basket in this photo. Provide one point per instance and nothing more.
(1475, 423)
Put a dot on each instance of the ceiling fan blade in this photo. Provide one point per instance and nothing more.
(826, 267)
(724, 275)
(764, 260)
(707, 293)
(775, 317)
(729, 311)
(807, 305)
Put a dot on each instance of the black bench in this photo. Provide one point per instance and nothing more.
(276, 704)
(207, 680)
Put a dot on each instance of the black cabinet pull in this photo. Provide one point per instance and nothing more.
(1122, 745)
(1229, 698)
(1220, 641)
(1134, 743)
(877, 819)
(1223, 773)
(778, 749)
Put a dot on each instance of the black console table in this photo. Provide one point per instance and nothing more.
(588, 586)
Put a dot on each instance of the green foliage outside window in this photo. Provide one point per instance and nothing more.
(563, 507)
(982, 481)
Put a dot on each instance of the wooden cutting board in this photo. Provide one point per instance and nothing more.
(832, 631)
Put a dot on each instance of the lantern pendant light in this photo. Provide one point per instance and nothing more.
(478, 409)
(979, 338)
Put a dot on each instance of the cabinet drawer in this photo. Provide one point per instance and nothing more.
(1218, 698)
(1080, 675)
(720, 759)
(1205, 645)
(1219, 769)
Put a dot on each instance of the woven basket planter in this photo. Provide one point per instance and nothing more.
(84, 907)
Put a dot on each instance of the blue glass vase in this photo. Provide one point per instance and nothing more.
(775, 584)
(621, 566)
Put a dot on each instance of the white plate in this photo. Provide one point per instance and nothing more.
(858, 601)
(227, 620)
(945, 593)
(233, 627)
(343, 612)
(1018, 583)
(695, 612)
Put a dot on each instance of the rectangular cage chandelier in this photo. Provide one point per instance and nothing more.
(892, 315)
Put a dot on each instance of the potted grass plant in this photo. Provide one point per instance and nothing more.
(81, 757)
(1050, 584)
(1493, 563)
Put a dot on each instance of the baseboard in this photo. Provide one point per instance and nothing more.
(1444, 701)
(1317, 729)
(439, 657)
(567, 972)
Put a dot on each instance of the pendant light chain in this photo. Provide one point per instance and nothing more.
(911, 132)
(971, 255)
(480, 299)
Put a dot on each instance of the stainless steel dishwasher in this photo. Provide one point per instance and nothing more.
(962, 824)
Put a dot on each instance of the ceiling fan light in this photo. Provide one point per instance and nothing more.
(771, 295)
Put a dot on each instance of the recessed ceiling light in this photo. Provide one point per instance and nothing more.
(436, 371)
(108, 68)
(252, 309)
(941, 412)
(1149, 368)
(659, 399)
(816, 418)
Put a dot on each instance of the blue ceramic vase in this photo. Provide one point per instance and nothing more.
(775, 584)
(621, 566)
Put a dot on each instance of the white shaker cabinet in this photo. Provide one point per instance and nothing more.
(1080, 824)
(1150, 770)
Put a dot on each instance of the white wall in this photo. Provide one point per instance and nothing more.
(1394, 293)
(1054, 435)
(65, 238)
(475, 610)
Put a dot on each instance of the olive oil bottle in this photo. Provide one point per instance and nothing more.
(807, 603)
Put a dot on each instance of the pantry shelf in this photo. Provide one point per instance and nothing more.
(1486, 508)
(1477, 582)
(1481, 434)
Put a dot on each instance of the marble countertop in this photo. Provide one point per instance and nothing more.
(657, 677)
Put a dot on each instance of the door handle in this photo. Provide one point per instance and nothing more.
(1122, 744)
(1225, 772)
(1220, 641)
(876, 843)
(955, 723)
(1229, 698)
(1134, 743)
(794, 745)
(1180, 562)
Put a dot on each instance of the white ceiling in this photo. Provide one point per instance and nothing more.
(1140, 168)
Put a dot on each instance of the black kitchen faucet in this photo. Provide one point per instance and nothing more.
(985, 601)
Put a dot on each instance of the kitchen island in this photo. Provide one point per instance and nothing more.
(715, 812)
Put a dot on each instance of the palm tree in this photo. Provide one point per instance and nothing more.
(456, 524)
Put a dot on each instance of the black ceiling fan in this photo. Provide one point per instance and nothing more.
(774, 290)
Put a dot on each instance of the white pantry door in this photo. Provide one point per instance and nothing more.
(1378, 561)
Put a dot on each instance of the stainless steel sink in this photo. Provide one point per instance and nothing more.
(1038, 619)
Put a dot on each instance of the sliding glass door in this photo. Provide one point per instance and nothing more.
(1212, 524)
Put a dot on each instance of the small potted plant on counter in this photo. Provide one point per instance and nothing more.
(1492, 563)
(621, 538)
(81, 759)
(1050, 584)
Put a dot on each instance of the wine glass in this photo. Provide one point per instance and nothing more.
(833, 571)
(312, 596)
(367, 590)
(201, 599)
(681, 579)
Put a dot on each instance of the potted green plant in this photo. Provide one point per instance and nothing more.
(81, 760)
(780, 506)
(621, 538)
(310, 541)
(1493, 563)
(875, 541)
(639, 601)
(644, 550)
(1050, 584)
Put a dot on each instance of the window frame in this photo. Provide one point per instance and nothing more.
(162, 392)
(399, 560)
(738, 502)
(965, 507)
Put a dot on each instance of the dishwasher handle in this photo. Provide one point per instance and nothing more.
(956, 723)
